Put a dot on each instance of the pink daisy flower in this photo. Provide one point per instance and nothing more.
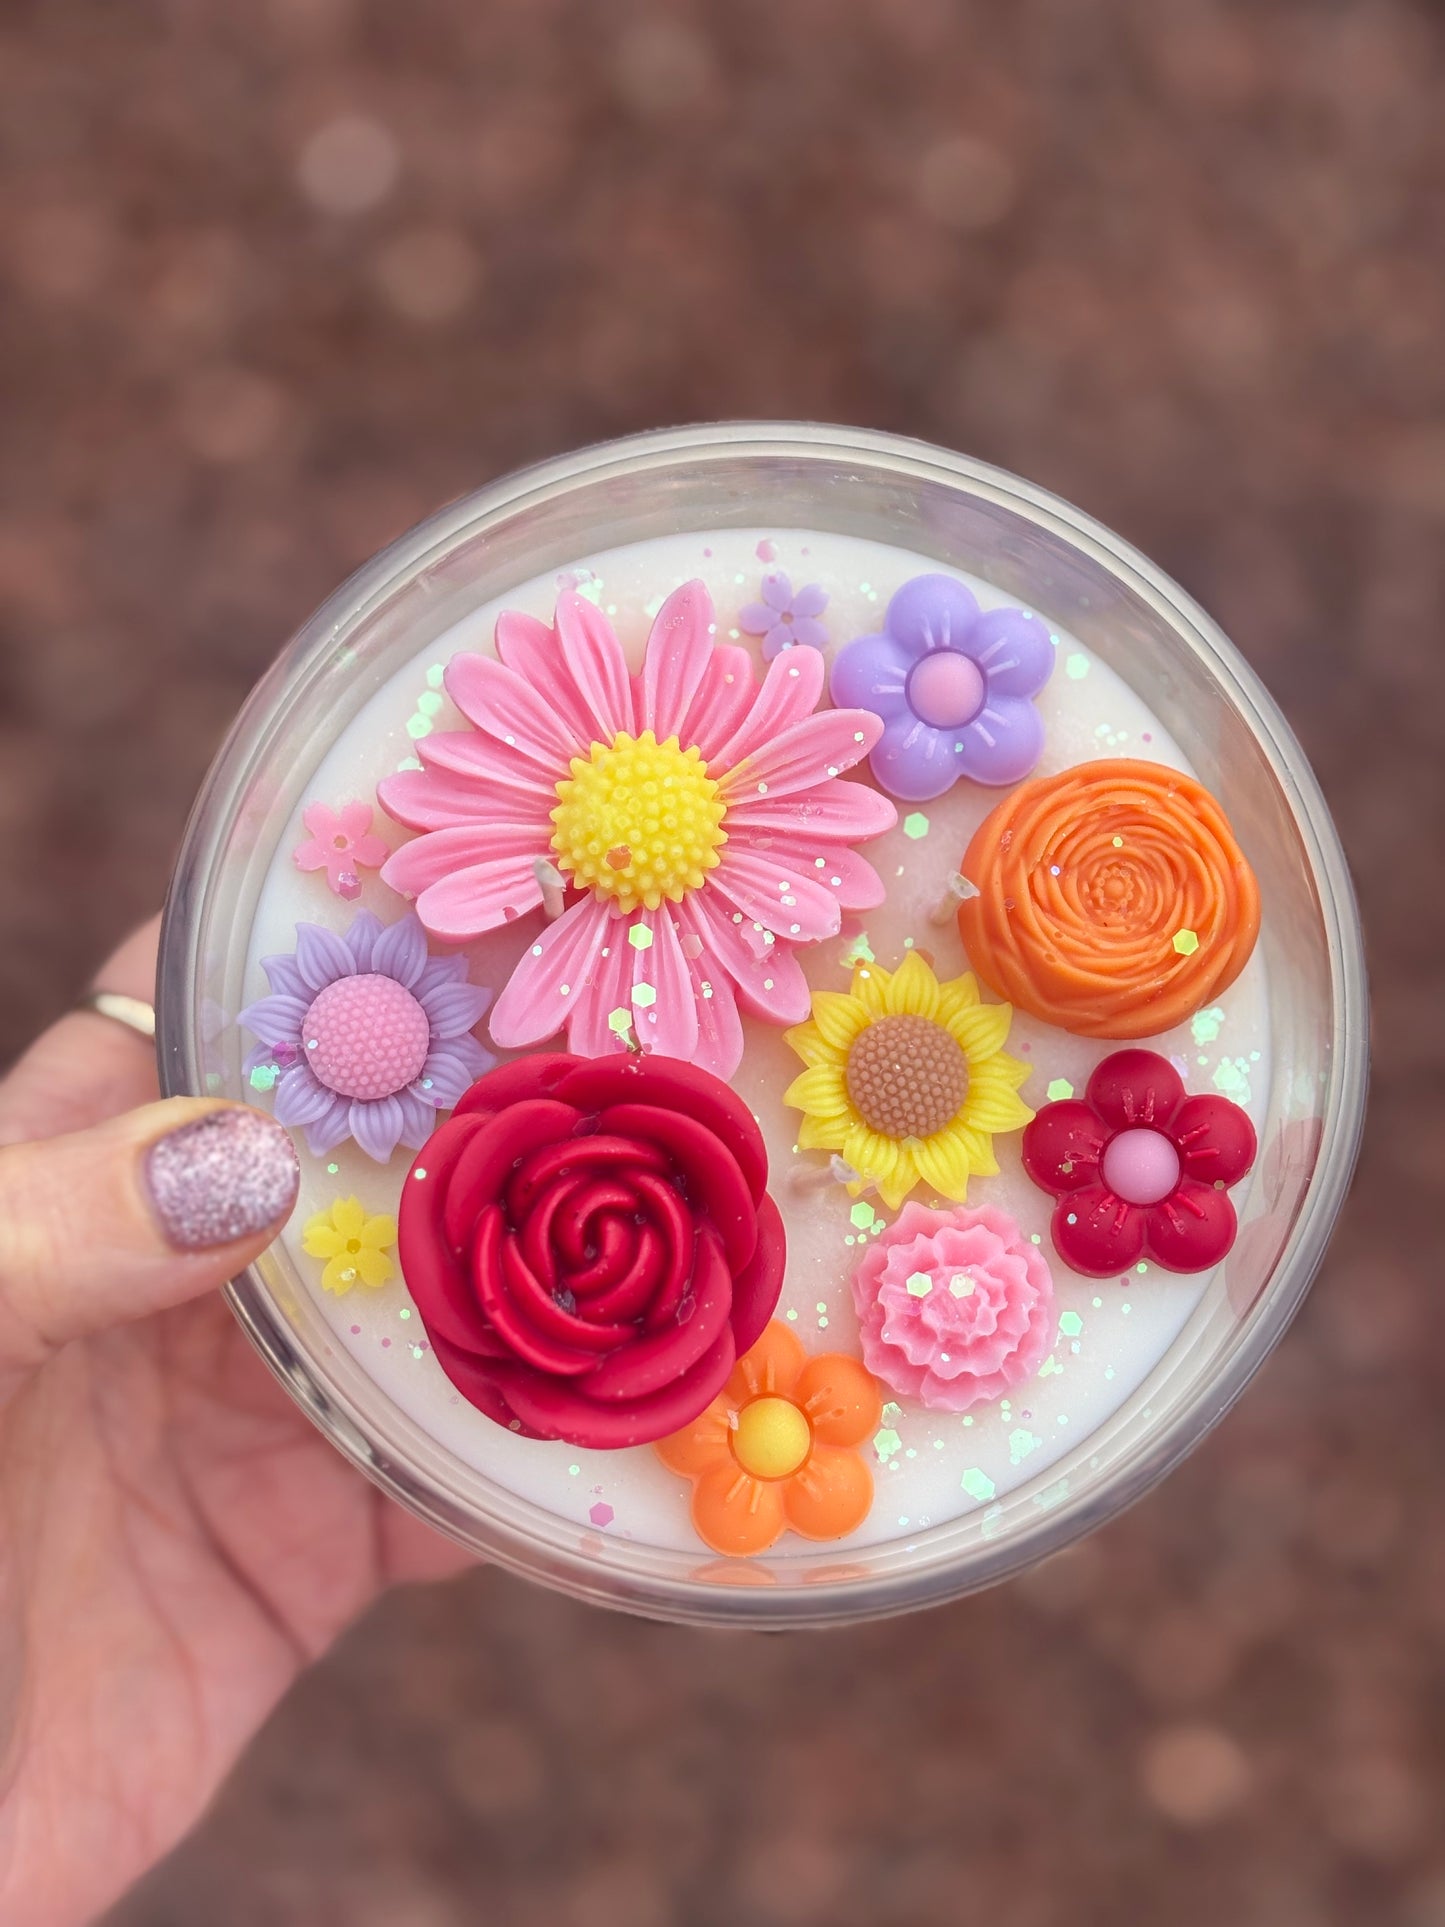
(696, 817)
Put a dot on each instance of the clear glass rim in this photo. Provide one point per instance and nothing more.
(822, 1602)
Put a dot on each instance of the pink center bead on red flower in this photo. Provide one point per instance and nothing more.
(591, 1245)
(1140, 1169)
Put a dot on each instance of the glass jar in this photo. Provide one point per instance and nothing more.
(1031, 547)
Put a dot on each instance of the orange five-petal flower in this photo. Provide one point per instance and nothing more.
(776, 1448)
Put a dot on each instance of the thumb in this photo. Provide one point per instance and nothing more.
(138, 1214)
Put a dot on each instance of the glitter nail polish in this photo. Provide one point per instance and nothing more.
(226, 1176)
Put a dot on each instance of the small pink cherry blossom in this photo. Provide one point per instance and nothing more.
(342, 844)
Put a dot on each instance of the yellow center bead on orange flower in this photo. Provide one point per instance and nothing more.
(776, 1451)
(907, 1080)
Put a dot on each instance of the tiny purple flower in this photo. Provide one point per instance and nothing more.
(371, 1036)
(953, 687)
(783, 618)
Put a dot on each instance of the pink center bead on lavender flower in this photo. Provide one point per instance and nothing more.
(366, 1037)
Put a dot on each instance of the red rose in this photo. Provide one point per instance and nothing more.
(590, 1244)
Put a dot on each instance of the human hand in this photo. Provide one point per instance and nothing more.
(176, 1539)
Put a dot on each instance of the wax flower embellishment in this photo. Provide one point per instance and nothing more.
(354, 1245)
(953, 687)
(364, 1035)
(696, 819)
(1112, 900)
(342, 843)
(776, 1450)
(907, 1080)
(1141, 1171)
(955, 1308)
(786, 617)
(590, 1245)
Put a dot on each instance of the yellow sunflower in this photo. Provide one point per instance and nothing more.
(907, 1080)
(353, 1245)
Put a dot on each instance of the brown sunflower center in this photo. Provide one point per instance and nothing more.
(907, 1076)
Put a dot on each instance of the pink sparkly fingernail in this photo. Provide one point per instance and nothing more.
(227, 1176)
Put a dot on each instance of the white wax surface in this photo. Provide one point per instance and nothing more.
(929, 1467)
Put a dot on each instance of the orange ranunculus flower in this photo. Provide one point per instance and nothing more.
(1112, 899)
(775, 1450)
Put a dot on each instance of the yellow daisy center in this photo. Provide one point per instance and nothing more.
(638, 821)
(772, 1438)
(907, 1076)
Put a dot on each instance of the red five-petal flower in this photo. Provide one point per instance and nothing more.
(1140, 1169)
(590, 1245)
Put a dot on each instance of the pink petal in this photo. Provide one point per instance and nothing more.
(816, 748)
(354, 820)
(769, 978)
(508, 710)
(719, 1047)
(533, 1004)
(724, 697)
(322, 821)
(370, 852)
(789, 693)
(312, 856)
(431, 859)
(851, 878)
(669, 1023)
(678, 650)
(593, 657)
(833, 810)
(779, 896)
(444, 799)
(530, 647)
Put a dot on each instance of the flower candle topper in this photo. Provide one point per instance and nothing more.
(776, 1450)
(341, 843)
(366, 1036)
(354, 1244)
(590, 1244)
(907, 1080)
(1111, 900)
(954, 1308)
(953, 687)
(701, 819)
(1141, 1171)
(785, 617)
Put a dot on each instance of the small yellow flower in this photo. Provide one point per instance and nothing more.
(353, 1245)
(907, 1080)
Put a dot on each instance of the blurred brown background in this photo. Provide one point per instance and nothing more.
(279, 278)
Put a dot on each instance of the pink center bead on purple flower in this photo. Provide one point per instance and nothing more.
(953, 687)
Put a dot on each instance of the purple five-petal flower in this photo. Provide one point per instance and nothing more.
(785, 617)
(953, 687)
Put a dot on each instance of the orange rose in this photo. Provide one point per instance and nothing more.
(1112, 900)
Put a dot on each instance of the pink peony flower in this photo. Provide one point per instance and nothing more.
(341, 843)
(696, 818)
(954, 1307)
